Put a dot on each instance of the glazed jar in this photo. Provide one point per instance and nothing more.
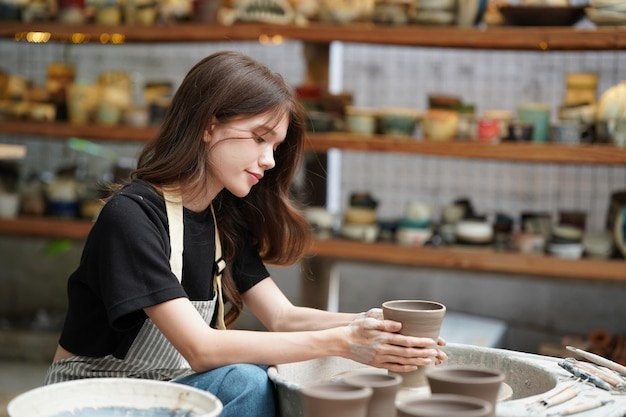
(537, 114)
(488, 130)
(108, 12)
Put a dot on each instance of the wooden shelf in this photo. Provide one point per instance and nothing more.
(463, 258)
(46, 227)
(66, 130)
(466, 258)
(523, 152)
(506, 37)
(322, 142)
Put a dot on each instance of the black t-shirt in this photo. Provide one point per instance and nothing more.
(125, 268)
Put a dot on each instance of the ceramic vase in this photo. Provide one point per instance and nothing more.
(444, 405)
(384, 386)
(419, 318)
(472, 381)
(335, 399)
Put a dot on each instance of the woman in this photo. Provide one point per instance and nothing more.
(214, 181)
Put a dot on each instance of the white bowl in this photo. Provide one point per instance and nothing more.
(474, 231)
(80, 398)
(409, 236)
(566, 250)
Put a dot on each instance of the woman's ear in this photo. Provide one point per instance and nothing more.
(206, 136)
(208, 132)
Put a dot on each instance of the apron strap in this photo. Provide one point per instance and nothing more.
(174, 210)
(220, 265)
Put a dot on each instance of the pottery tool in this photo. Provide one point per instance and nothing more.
(599, 360)
(603, 373)
(579, 407)
(556, 397)
(585, 376)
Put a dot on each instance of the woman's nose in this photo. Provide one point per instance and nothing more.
(267, 158)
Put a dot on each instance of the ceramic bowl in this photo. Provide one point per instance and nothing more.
(122, 396)
(361, 232)
(598, 245)
(440, 124)
(399, 121)
(472, 231)
(361, 120)
(566, 250)
(360, 215)
(412, 236)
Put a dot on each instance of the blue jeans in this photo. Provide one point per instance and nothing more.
(243, 389)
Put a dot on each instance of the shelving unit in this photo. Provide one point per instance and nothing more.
(323, 254)
(517, 38)
(322, 142)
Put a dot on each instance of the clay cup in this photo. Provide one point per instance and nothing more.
(335, 399)
(384, 386)
(419, 318)
(467, 380)
(445, 405)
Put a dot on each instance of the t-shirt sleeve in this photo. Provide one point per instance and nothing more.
(130, 248)
(248, 268)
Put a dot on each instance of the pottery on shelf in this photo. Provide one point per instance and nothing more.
(444, 405)
(420, 318)
(384, 386)
(467, 380)
(335, 399)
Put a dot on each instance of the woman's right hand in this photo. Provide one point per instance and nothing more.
(375, 342)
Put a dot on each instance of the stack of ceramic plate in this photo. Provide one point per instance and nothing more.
(435, 12)
(607, 12)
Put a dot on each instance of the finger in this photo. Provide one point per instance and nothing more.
(376, 313)
(410, 353)
(441, 341)
(388, 326)
(411, 341)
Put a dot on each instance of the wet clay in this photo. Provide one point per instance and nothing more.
(419, 318)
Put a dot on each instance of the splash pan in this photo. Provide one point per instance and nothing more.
(528, 379)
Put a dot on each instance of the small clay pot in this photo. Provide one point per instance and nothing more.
(467, 380)
(385, 387)
(445, 405)
(335, 399)
(419, 318)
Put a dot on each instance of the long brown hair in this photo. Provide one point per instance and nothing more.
(221, 87)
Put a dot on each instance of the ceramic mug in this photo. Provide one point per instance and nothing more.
(468, 380)
(419, 318)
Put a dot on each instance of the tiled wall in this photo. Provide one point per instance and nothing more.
(404, 76)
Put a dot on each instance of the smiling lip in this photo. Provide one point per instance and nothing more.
(255, 177)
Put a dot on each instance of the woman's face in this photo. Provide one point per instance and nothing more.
(241, 150)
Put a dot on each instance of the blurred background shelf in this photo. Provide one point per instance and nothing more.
(457, 257)
(322, 142)
(506, 37)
